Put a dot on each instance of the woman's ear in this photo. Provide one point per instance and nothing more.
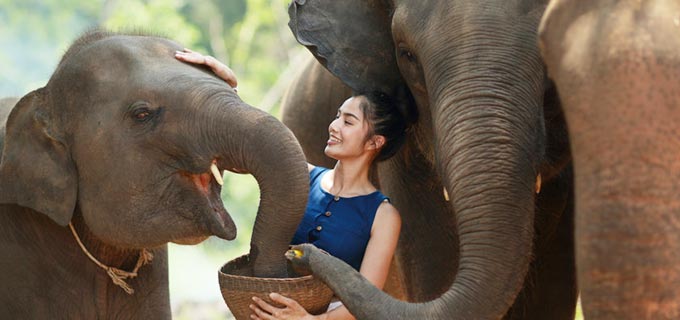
(376, 142)
(351, 38)
(36, 170)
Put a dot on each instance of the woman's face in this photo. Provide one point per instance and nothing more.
(347, 133)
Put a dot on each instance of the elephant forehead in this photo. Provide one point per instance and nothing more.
(118, 56)
(140, 49)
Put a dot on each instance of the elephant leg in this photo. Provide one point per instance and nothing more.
(550, 290)
(619, 79)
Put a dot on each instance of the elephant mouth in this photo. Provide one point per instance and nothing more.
(215, 217)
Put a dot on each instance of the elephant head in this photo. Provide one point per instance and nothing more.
(124, 135)
(478, 82)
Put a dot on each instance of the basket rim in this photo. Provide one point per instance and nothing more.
(237, 260)
(303, 278)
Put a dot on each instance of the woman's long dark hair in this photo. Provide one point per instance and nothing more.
(388, 115)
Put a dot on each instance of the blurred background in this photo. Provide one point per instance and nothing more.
(251, 36)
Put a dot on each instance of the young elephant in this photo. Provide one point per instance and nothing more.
(118, 148)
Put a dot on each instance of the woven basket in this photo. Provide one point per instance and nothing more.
(238, 286)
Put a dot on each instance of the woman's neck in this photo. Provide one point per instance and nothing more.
(350, 178)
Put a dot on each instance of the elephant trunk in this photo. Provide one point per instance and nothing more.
(489, 168)
(253, 141)
(490, 139)
(487, 111)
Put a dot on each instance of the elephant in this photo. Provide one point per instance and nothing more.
(119, 146)
(484, 183)
(616, 65)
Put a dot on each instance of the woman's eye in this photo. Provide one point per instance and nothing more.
(348, 123)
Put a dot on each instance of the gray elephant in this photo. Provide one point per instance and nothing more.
(616, 65)
(489, 134)
(115, 152)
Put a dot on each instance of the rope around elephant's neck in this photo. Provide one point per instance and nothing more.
(118, 276)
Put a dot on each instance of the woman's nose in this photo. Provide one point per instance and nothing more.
(332, 126)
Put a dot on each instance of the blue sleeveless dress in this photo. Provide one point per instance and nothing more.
(340, 226)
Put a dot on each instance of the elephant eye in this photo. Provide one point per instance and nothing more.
(142, 111)
(141, 114)
(407, 54)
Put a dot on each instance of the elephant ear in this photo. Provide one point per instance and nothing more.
(351, 38)
(36, 170)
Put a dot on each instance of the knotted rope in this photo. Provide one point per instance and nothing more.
(118, 276)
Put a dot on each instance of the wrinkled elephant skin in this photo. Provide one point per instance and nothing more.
(119, 144)
(616, 65)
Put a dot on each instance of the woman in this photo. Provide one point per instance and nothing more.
(346, 215)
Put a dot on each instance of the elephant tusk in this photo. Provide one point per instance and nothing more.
(446, 195)
(538, 183)
(216, 173)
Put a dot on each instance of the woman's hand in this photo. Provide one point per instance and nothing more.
(292, 310)
(219, 68)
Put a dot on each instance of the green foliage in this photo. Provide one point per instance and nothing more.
(251, 36)
(579, 311)
(159, 17)
(240, 195)
(33, 36)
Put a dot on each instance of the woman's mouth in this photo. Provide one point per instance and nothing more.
(333, 141)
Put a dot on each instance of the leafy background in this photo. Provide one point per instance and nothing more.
(251, 36)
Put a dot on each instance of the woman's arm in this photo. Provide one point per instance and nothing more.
(381, 245)
(219, 68)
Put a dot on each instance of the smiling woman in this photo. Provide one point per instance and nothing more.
(346, 215)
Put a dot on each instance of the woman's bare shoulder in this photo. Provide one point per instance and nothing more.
(387, 214)
(310, 167)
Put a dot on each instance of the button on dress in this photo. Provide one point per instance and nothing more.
(340, 226)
